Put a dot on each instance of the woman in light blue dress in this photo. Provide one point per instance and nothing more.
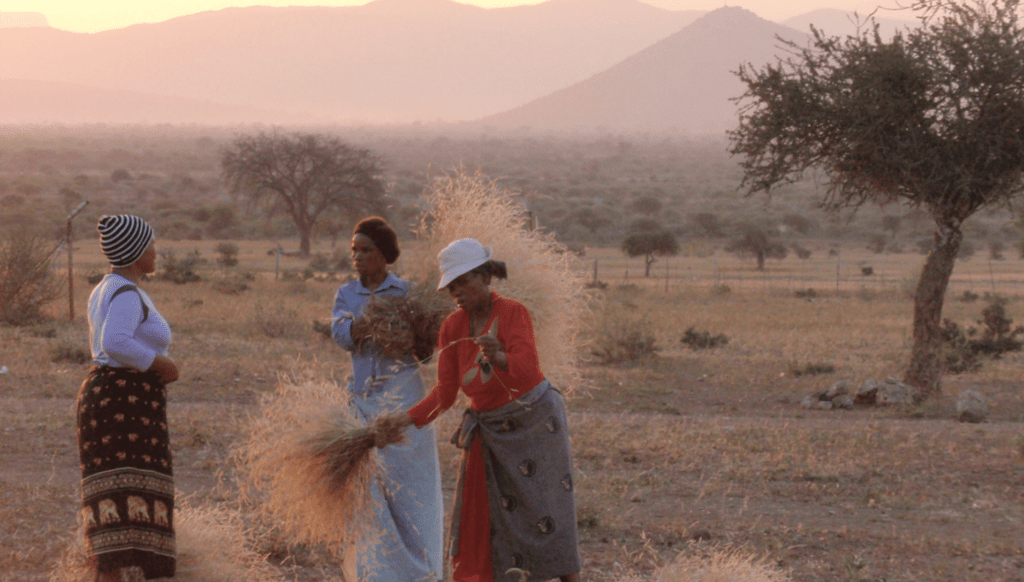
(408, 496)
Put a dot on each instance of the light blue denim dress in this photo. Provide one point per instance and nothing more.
(408, 498)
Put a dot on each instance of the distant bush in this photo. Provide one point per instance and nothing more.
(703, 340)
(969, 296)
(805, 293)
(27, 283)
(337, 261)
(120, 175)
(720, 290)
(965, 348)
(624, 341)
(227, 254)
(72, 354)
(877, 242)
(231, 286)
(181, 270)
(814, 369)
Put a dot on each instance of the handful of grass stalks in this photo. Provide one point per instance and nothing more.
(400, 326)
(309, 466)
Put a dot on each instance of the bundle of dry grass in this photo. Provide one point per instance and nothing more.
(400, 326)
(212, 546)
(308, 466)
(543, 276)
(717, 566)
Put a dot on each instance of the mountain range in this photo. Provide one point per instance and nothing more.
(558, 65)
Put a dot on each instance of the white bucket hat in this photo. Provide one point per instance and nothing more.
(459, 258)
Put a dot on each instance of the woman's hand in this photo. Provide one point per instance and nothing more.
(164, 368)
(388, 429)
(493, 351)
(360, 330)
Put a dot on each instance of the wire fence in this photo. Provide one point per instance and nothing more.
(847, 271)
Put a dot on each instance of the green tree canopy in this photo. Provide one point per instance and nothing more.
(933, 118)
(755, 242)
(648, 240)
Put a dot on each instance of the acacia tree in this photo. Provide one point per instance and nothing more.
(933, 118)
(305, 175)
(648, 240)
(755, 242)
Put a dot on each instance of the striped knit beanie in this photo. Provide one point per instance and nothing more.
(124, 238)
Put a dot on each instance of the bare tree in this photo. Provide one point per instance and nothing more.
(932, 118)
(305, 175)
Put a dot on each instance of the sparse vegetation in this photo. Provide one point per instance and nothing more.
(624, 341)
(965, 348)
(703, 340)
(27, 283)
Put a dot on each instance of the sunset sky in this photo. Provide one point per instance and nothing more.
(97, 15)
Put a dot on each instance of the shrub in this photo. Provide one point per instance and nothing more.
(720, 290)
(227, 254)
(701, 340)
(27, 283)
(997, 337)
(338, 261)
(969, 296)
(814, 369)
(231, 286)
(624, 341)
(67, 352)
(964, 349)
(877, 242)
(960, 356)
(181, 270)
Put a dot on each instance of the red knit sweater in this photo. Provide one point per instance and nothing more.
(457, 365)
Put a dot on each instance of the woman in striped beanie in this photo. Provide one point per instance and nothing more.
(123, 440)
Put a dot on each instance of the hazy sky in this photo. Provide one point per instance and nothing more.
(96, 15)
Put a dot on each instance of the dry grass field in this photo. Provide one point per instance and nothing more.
(682, 453)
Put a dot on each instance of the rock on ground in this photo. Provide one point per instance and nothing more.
(971, 406)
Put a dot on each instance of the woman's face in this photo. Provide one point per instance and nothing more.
(471, 291)
(147, 262)
(367, 258)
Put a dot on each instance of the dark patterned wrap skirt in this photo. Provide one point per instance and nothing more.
(127, 484)
(525, 446)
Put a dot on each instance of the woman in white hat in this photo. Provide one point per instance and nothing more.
(514, 504)
(123, 440)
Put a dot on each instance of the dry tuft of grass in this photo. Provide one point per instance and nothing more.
(717, 566)
(212, 546)
(543, 275)
(308, 465)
